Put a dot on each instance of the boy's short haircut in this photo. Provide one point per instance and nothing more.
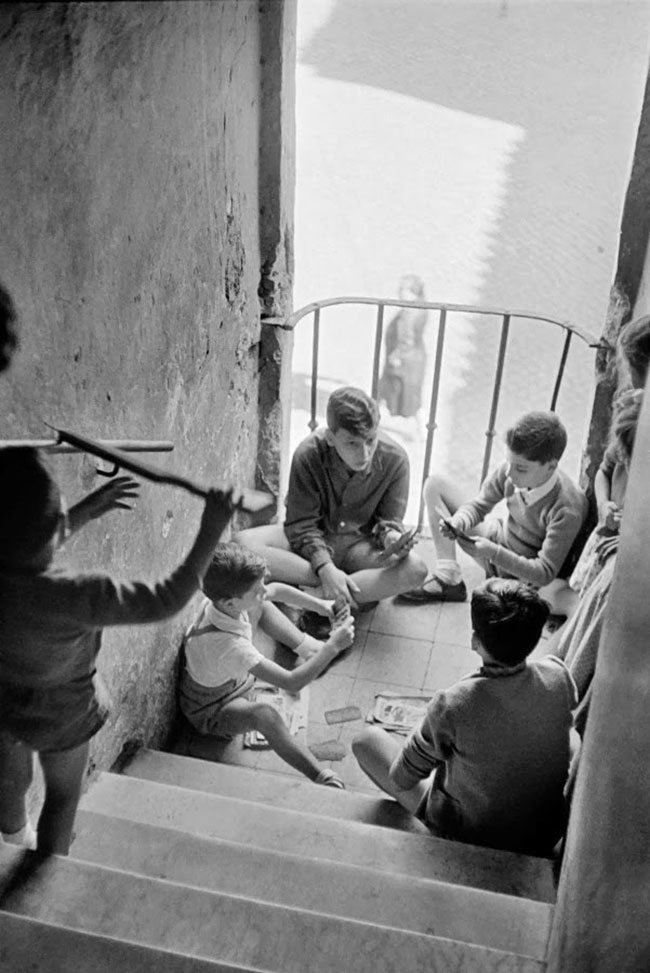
(537, 436)
(8, 331)
(508, 617)
(634, 341)
(351, 409)
(233, 570)
(30, 503)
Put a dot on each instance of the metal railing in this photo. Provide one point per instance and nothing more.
(444, 311)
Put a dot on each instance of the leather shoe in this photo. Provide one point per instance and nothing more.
(440, 592)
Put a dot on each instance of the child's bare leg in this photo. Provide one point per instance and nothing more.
(442, 493)
(241, 715)
(16, 762)
(63, 772)
(271, 543)
(375, 751)
(276, 624)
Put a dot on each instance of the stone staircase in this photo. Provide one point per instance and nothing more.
(179, 864)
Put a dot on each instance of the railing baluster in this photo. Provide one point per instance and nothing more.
(314, 369)
(505, 327)
(433, 408)
(560, 371)
(379, 331)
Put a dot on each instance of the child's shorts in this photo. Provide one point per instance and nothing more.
(200, 707)
(53, 718)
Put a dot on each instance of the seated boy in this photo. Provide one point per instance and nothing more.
(489, 761)
(221, 662)
(546, 511)
(348, 490)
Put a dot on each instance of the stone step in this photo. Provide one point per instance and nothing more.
(312, 836)
(29, 946)
(424, 906)
(230, 929)
(263, 787)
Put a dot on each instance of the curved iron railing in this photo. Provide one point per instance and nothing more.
(444, 310)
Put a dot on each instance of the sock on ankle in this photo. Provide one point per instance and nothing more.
(306, 648)
(25, 836)
(448, 571)
(329, 779)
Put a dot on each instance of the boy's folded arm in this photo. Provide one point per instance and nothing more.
(304, 515)
(491, 493)
(428, 745)
(541, 570)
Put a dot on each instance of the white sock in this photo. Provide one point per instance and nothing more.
(448, 571)
(306, 648)
(26, 837)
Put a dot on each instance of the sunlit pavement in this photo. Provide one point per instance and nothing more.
(486, 147)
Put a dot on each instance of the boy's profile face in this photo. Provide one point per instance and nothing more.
(526, 474)
(250, 599)
(355, 450)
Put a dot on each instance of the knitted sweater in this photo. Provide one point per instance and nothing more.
(536, 538)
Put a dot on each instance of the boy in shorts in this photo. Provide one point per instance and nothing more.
(546, 511)
(490, 760)
(51, 699)
(348, 491)
(220, 662)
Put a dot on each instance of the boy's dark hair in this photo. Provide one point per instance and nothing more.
(8, 331)
(634, 341)
(537, 436)
(351, 409)
(30, 503)
(508, 617)
(232, 571)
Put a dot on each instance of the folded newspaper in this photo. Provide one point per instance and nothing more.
(291, 707)
(397, 712)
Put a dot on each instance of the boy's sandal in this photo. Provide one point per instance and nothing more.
(329, 779)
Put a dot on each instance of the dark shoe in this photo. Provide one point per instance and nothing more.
(435, 590)
(318, 626)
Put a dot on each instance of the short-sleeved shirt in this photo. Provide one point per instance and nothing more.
(219, 649)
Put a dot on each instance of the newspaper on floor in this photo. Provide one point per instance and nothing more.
(292, 707)
(397, 712)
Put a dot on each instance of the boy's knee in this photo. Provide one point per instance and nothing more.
(433, 486)
(363, 742)
(266, 717)
(415, 570)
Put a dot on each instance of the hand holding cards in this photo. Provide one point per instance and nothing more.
(458, 534)
(398, 545)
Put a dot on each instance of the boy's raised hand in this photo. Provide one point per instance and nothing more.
(118, 494)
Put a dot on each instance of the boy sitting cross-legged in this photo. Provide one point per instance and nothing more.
(347, 495)
(489, 762)
(221, 662)
(546, 511)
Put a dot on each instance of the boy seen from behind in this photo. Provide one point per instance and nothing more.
(489, 762)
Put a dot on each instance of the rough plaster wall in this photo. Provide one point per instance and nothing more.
(129, 204)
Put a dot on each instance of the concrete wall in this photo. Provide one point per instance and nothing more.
(131, 244)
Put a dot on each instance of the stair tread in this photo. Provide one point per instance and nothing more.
(419, 905)
(230, 929)
(312, 836)
(278, 790)
(40, 947)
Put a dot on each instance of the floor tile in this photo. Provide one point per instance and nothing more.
(410, 621)
(389, 659)
(331, 691)
(455, 624)
(448, 664)
(347, 664)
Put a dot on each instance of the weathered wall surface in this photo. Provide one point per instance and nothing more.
(130, 242)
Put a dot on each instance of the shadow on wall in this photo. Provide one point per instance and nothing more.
(556, 71)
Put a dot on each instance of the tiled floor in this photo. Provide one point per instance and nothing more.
(414, 649)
